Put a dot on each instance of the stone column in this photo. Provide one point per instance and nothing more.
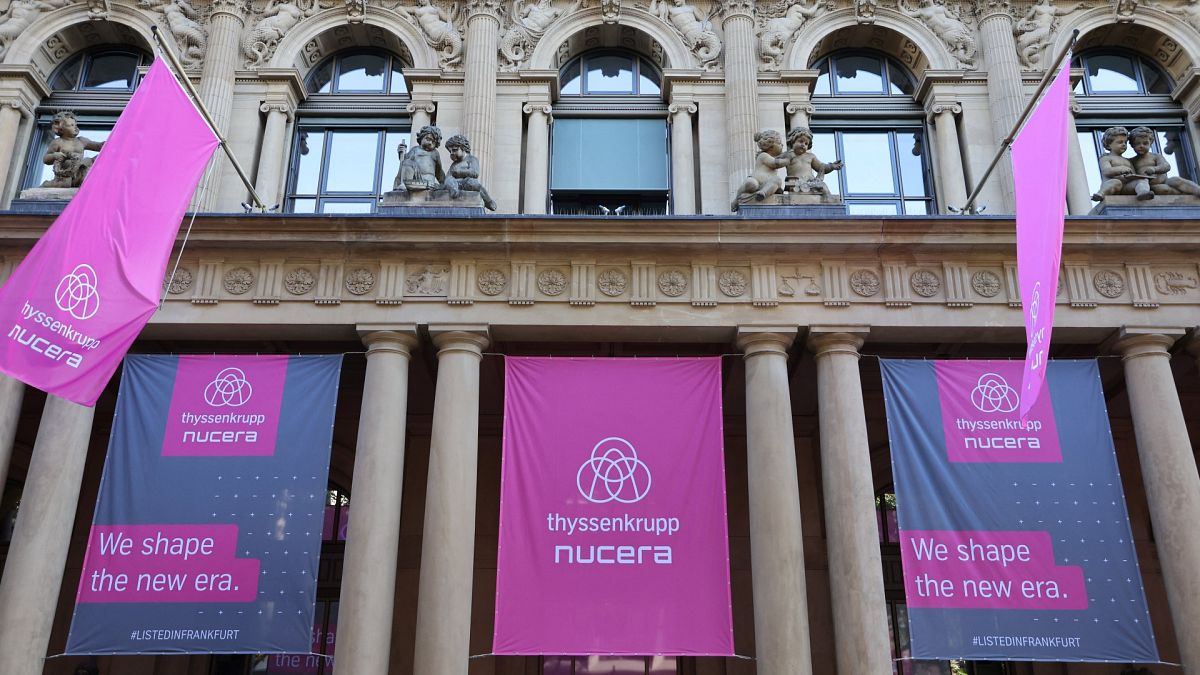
(1079, 196)
(217, 74)
(1006, 97)
(12, 391)
(268, 182)
(479, 80)
(537, 157)
(741, 88)
(799, 114)
(448, 544)
(952, 184)
(34, 569)
(776, 541)
(860, 627)
(373, 540)
(683, 157)
(422, 115)
(12, 111)
(1169, 473)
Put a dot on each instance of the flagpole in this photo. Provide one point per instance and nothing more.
(969, 207)
(187, 84)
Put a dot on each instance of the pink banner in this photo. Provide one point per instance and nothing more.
(613, 536)
(79, 299)
(980, 419)
(1039, 156)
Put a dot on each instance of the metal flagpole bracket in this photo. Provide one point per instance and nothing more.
(177, 67)
(970, 209)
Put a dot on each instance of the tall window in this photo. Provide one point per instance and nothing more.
(95, 85)
(866, 116)
(609, 142)
(1120, 88)
(347, 132)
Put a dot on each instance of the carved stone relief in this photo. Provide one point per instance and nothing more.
(437, 25)
(864, 283)
(1036, 30)
(180, 283)
(360, 281)
(673, 283)
(530, 19)
(279, 17)
(778, 23)
(1174, 283)
(552, 282)
(299, 281)
(491, 282)
(732, 283)
(238, 280)
(694, 27)
(789, 284)
(925, 283)
(986, 284)
(946, 22)
(1108, 283)
(611, 282)
(429, 280)
(185, 23)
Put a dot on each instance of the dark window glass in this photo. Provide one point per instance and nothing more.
(611, 74)
(1112, 74)
(362, 72)
(111, 71)
(342, 169)
(321, 79)
(859, 75)
(358, 73)
(67, 76)
(885, 173)
(822, 87)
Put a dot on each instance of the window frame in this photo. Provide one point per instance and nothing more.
(326, 127)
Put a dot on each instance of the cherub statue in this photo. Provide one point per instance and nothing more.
(693, 27)
(1146, 162)
(1033, 32)
(1117, 170)
(421, 165)
(66, 152)
(947, 24)
(464, 171)
(439, 30)
(765, 180)
(805, 173)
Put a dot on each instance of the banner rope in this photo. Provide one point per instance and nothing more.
(187, 233)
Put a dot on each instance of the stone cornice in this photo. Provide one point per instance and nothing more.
(935, 79)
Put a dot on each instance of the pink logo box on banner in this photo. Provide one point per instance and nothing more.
(613, 527)
(981, 414)
(219, 410)
(82, 295)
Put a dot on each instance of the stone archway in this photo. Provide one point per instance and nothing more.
(327, 32)
(1156, 35)
(59, 34)
(584, 29)
(898, 36)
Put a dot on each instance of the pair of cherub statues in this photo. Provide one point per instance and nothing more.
(1143, 175)
(805, 174)
(421, 167)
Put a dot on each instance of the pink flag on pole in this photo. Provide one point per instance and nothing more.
(1039, 157)
(613, 536)
(73, 307)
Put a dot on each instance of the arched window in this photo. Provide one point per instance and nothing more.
(94, 85)
(347, 131)
(1121, 88)
(866, 117)
(609, 153)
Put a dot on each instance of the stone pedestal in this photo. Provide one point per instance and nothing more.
(431, 203)
(792, 205)
(1129, 206)
(43, 200)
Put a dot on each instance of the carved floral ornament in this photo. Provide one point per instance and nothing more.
(986, 283)
(1108, 283)
(299, 281)
(925, 283)
(611, 282)
(238, 280)
(673, 283)
(732, 283)
(491, 282)
(360, 281)
(179, 283)
(864, 282)
(552, 282)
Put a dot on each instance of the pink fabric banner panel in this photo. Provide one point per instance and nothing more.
(613, 527)
(76, 303)
(1039, 156)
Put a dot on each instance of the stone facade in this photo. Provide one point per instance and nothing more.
(792, 303)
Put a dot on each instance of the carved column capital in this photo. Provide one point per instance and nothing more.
(489, 8)
(936, 108)
(758, 340)
(18, 105)
(797, 107)
(1135, 341)
(986, 9)
(276, 106)
(530, 108)
(736, 8)
(235, 8)
(424, 106)
(684, 107)
(826, 340)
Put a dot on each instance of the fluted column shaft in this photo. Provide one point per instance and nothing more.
(741, 90)
(1172, 483)
(11, 112)
(776, 541)
(1079, 196)
(373, 540)
(479, 81)
(1005, 95)
(217, 74)
(683, 158)
(537, 158)
(860, 627)
(950, 169)
(12, 392)
(38, 552)
(448, 545)
(268, 182)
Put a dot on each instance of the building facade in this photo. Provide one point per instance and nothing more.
(614, 134)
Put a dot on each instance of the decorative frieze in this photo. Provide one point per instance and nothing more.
(552, 282)
(1012, 286)
(1174, 283)
(583, 283)
(491, 282)
(672, 283)
(865, 282)
(895, 285)
(359, 281)
(524, 283)
(462, 283)
(427, 281)
(1079, 288)
(958, 285)
(704, 284)
(270, 282)
(329, 283)
(299, 281)
(206, 288)
(925, 283)
(391, 284)
(238, 281)
(986, 283)
(642, 290)
(175, 285)
(612, 282)
(1109, 283)
(733, 283)
(1141, 286)
(763, 291)
(833, 274)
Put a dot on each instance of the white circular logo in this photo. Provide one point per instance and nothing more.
(613, 473)
(1035, 301)
(77, 294)
(229, 388)
(993, 395)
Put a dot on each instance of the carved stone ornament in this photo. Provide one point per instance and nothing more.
(238, 280)
(864, 282)
(610, 11)
(438, 28)
(279, 17)
(1036, 30)
(1173, 283)
(925, 283)
(611, 282)
(530, 19)
(181, 282)
(777, 31)
(693, 26)
(299, 281)
(672, 284)
(732, 283)
(986, 283)
(946, 22)
(430, 280)
(1108, 283)
(552, 282)
(360, 281)
(491, 282)
(183, 22)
